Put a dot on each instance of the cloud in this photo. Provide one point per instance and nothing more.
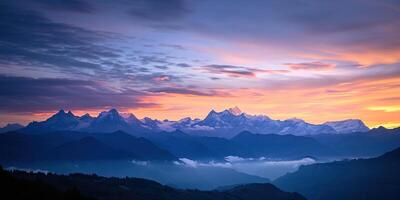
(195, 164)
(188, 162)
(173, 46)
(385, 108)
(200, 128)
(343, 16)
(140, 163)
(35, 171)
(161, 78)
(29, 39)
(80, 6)
(304, 29)
(183, 65)
(245, 164)
(21, 94)
(311, 66)
(157, 10)
(181, 90)
(234, 159)
(239, 71)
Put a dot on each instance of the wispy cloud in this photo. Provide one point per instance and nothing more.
(311, 66)
(21, 94)
(185, 91)
(81, 6)
(239, 71)
(385, 108)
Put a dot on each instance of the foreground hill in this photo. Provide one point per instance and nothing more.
(18, 188)
(376, 178)
(79, 186)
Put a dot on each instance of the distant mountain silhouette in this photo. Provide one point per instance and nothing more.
(183, 145)
(88, 148)
(245, 144)
(369, 144)
(177, 144)
(11, 127)
(283, 146)
(78, 146)
(139, 146)
(375, 178)
(30, 185)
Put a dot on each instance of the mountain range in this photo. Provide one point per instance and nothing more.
(65, 136)
(227, 123)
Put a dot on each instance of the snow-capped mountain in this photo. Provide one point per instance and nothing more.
(348, 126)
(226, 123)
(229, 122)
(58, 122)
(235, 111)
(106, 121)
(300, 127)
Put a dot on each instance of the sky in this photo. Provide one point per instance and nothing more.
(169, 59)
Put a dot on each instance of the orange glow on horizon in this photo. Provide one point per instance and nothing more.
(376, 102)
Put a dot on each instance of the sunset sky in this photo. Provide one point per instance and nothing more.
(315, 60)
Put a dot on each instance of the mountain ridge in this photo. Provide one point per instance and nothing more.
(226, 123)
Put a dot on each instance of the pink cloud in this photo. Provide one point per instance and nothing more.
(161, 78)
(311, 66)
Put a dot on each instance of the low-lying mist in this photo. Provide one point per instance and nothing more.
(185, 173)
(262, 167)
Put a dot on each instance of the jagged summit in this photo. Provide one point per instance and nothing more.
(235, 111)
(61, 115)
(348, 126)
(111, 112)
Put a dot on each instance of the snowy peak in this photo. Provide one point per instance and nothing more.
(86, 117)
(296, 120)
(218, 119)
(113, 113)
(111, 116)
(348, 126)
(235, 111)
(112, 120)
(132, 119)
(62, 115)
(63, 118)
